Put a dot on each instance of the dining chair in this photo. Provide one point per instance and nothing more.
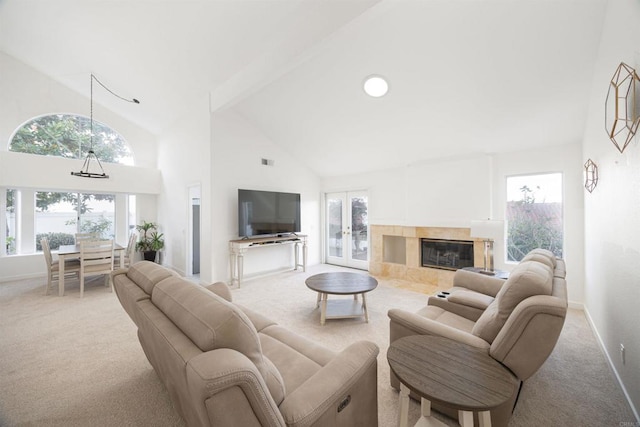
(71, 266)
(130, 251)
(96, 258)
(81, 237)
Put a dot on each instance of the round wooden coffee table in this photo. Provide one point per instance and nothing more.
(451, 373)
(341, 283)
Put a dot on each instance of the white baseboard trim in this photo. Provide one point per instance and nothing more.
(23, 277)
(611, 365)
(576, 305)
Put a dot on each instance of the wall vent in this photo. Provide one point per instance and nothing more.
(267, 162)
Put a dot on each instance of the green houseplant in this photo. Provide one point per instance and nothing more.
(151, 241)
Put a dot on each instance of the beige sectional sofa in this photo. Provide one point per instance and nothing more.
(225, 365)
(517, 321)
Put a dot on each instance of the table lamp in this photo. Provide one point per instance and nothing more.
(488, 230)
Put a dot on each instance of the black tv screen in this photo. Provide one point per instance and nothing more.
(267, 213)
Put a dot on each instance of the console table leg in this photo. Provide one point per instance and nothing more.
(240, 268)
(304, 255)
(403, 410)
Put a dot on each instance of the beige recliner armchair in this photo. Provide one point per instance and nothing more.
(518, 320)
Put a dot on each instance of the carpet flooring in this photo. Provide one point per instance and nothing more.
(77, 362)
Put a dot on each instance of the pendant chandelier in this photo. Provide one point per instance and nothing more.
(91, 159)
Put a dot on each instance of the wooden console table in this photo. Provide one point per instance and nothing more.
(238, 247)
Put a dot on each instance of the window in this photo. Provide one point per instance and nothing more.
(69, 136)
(57, 216)
(534, 214)
(10, 215)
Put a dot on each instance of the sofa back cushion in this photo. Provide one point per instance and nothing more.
(211, 322)
(541, 255)
(147, 274)
(527, 279)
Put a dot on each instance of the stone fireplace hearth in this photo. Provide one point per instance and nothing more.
(395, 253)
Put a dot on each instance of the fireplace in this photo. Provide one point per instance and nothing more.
(446, 254)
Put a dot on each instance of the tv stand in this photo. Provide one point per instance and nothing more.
(238, 247)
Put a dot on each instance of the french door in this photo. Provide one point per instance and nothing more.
(347, 229)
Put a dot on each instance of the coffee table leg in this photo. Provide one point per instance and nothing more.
(364, 308)
(323, 310)
(318, 300)
(403, 412)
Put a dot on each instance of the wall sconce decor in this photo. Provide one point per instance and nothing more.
(590, 175)
(622, 109)
(87, 171)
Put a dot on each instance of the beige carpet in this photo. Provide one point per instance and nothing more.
(77, 362)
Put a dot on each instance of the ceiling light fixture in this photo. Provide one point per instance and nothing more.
(85, 172)
(376, 86)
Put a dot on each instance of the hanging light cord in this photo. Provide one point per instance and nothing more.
(93, 77)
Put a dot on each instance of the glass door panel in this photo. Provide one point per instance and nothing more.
(347, 236)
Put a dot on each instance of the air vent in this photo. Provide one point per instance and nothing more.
(267, 162)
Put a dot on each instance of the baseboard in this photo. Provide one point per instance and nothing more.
(611, 365)
(576, 305)
(23, 277)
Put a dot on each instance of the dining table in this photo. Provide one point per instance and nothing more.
(73, 252)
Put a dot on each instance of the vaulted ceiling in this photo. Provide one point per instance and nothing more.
(466, 76)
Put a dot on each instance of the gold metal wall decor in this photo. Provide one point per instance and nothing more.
(590, 175)
(622, 107)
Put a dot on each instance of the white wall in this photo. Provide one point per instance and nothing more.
(237, 150)
(26, 93)
(453, 192)
(612, 211)
(184, 159)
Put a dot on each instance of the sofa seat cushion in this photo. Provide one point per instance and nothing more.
(147, 274)
(294, 367)
(447, 318)
(212, 322)
(527, 279)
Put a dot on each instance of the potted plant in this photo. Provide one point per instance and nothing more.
(151, 241)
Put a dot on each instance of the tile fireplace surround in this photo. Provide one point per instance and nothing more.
(395, 253)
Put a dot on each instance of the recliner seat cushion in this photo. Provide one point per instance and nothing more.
(527, 279)
(446, 318)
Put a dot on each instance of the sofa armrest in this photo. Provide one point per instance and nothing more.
(413, 324)
(213, 378)
(350, 379)
(221, 289)
(463, 310)
(488, 285)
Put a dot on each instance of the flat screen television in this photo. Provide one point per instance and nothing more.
(262, 213)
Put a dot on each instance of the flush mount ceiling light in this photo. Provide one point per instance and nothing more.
(376, 86)
(622, 109)
(86, 171)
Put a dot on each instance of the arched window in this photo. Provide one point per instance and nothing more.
(69, 136)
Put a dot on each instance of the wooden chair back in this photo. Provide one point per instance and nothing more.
(96, 258)
(81, 237)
